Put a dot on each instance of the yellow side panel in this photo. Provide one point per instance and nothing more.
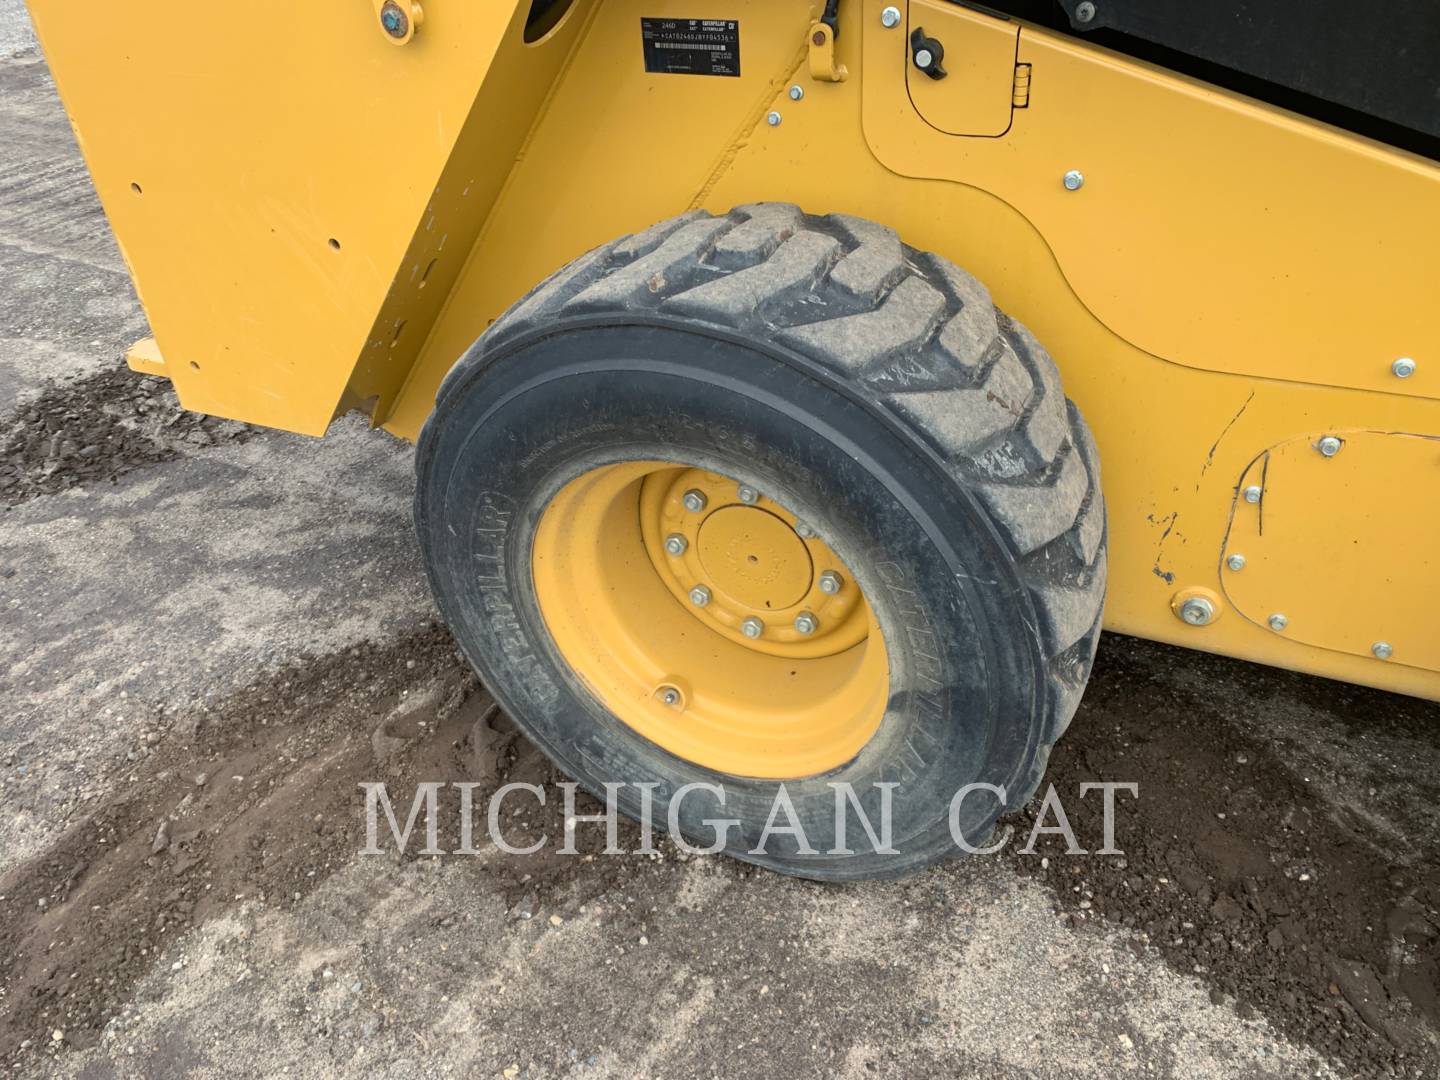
(1342, 548)
(617, 150)
(1210, 230)
(264, 166)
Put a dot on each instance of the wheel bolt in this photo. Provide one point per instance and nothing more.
(694, 500)
(748, 495)
(670, 696)
(752, 627)
(676, 544)
(803, 531)
(806, 623)
(831, 582)
(699, 596)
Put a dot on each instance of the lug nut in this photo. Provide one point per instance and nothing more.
(748, 495)
(1329, 446)
(699, 596)
(806, 623)
(1252, 493)
(1383, 650)
(1236, 562)
(669, 696)
(752, 627)
(1403, 368)
(1197, 611)
(890, 18)
(695, 500)
(1278, 622)
(676, 544)
(831, 582)
(803, 531)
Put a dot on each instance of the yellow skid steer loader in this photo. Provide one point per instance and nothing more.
(767, 359)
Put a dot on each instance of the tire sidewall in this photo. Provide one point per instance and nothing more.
(966, 692)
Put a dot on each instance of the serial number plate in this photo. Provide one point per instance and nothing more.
(691, 46)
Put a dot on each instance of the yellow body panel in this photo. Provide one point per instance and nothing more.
(264, 167)
(1337, 546)
(1229, 278)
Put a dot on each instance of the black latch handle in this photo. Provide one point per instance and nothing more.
(927, 52)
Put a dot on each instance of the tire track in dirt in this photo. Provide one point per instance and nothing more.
(259, 799)
(255, 798)
(1343, 960)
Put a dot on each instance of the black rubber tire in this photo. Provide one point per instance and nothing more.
(876, 386)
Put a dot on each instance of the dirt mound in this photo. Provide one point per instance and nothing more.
(1237, 869)
(97, 429)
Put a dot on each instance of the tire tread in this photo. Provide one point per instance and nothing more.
(912, 332)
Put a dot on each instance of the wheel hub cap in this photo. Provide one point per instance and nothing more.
(704, 627)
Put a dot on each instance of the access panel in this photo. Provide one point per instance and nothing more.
(961, 67)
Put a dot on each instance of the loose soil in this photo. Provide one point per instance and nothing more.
(97, 429)
(1286, 905)
(259, 799)
(1238, 868)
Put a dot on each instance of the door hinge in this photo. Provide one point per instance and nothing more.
(1020, 98)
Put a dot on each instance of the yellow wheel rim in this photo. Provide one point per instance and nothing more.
(709, 620)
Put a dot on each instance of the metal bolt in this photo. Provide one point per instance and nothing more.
(830, 582)
(806, 623)
(1383, 650)
(890, 18)
(748, 495)
(797, 92)
(803, 531)
(752, 627)
(1236, 562)
(772, 118)
(1197, 611)
(1252, 493)
(694, 500)
(1329, 446)
(1084, 12)
(1403, 368)
(699, 596)
(676, 544)
(670, 696)
(1073, 180)
(1278, 622)
(393, 19)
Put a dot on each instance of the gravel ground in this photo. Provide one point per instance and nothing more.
(15, 33)
(214, 634)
